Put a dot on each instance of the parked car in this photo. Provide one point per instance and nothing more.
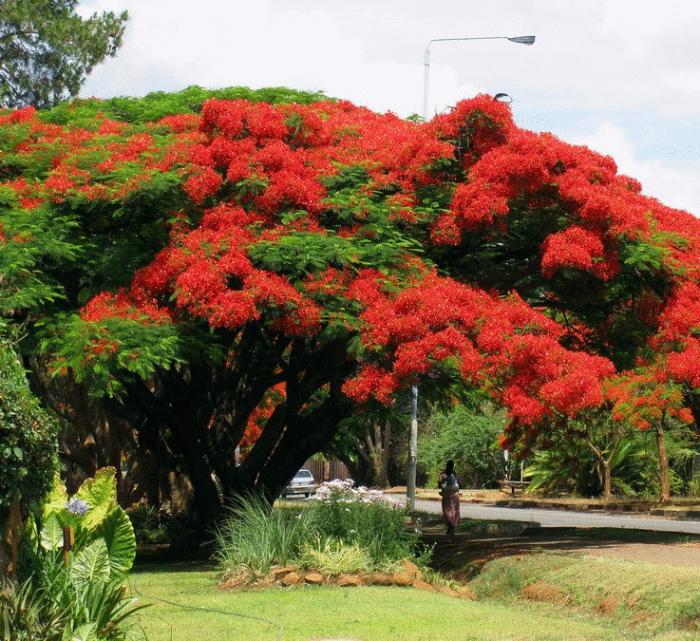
(303, 484)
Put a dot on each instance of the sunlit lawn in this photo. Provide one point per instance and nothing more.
(367, 614)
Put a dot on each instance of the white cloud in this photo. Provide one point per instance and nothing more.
(598, 57)
(676, 185)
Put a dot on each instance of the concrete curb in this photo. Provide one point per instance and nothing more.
(690, 514)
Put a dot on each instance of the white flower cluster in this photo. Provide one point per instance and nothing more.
(344, 492)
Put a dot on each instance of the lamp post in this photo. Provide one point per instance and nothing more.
(413, 440)
(523, 40)
(412, 451)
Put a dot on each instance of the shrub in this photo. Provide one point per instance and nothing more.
(364, 518)
(28, 452)
(569, 466)
(148, 525)
(27, 613)
(345, 530)
(152, 526)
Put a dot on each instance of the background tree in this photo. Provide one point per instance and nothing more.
(47, 49)
(470, 437)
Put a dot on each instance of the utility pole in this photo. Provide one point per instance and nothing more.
(412, 451)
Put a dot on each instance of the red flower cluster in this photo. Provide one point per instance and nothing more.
(502, 344)
(210, 276)
(120, 305)
(678, 340)
(642, 399)
(577, 248)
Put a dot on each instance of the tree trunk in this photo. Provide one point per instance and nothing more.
(607, 480)
(664, 470)
(9, 544)
(605, 467)
(378, 448)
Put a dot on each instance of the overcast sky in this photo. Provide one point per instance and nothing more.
(622, 76)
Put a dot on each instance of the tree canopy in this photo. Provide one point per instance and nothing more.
(47, 49)
(252, 272)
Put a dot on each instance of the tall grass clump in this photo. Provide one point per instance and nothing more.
(254, 536)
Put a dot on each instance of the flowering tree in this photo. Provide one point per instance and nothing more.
(253, 273)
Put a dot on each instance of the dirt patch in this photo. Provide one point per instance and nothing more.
(608, 606)
(544, 592)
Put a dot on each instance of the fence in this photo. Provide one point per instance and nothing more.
(327, 470)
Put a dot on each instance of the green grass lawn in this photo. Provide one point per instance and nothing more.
(360, 614)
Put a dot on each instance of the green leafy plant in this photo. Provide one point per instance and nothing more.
(102, 528)
(89, 588)
(28, 449)
(27, 613)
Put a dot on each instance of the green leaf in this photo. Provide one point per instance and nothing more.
(57, 499)
(101, 495)
(85, 632)
(120, 539)
(51, 532)
(91, 564)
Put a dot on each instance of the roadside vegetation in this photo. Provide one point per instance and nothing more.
(647, 597)
(344, 531)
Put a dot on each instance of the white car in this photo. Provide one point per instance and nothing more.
(303, 484)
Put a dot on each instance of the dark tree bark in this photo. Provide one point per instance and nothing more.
(195, 416)
(10, 539)
(374, 448)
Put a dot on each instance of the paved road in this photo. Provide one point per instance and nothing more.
(565, 518)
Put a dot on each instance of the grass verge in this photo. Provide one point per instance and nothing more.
(650, 597)
(360, 614)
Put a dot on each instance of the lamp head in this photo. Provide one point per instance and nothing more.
(523, 40)
(503, 97)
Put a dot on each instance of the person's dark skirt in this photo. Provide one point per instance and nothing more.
(450, 509)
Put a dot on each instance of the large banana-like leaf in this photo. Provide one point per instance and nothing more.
(100, 493)
(91, 564)
(51, 532)
(119, 536)
(57, 499)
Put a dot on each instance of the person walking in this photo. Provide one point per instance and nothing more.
(449, 490)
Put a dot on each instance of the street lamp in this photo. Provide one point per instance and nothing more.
(523, 40)
(413, 439)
